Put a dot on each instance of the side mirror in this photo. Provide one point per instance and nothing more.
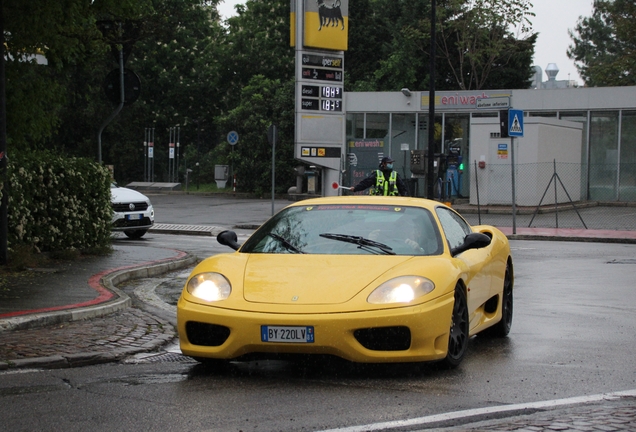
(472, 241)
(228, 238)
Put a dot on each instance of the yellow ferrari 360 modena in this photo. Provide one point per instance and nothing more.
(368, 279)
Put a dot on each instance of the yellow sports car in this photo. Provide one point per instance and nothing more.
(368, 279)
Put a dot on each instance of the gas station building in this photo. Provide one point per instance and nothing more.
(583, 137)
(592, 131)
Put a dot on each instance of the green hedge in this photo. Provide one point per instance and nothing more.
(58, 203)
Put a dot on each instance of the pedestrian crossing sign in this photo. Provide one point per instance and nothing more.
(515, 123)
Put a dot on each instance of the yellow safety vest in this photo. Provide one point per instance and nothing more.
(383, 187)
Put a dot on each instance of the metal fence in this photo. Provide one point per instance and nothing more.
(550, 195)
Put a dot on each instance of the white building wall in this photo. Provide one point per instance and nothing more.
(545, 141)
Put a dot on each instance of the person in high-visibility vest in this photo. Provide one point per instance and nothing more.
(384, 181)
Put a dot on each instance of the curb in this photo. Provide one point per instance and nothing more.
(109, 282)
(88, 358)
(122, 302)
(571, 239)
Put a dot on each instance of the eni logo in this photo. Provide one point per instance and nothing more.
(330, 15)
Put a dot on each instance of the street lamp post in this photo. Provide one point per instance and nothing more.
(430, 177)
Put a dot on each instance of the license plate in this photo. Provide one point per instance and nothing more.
(134, 216)
(287, 334)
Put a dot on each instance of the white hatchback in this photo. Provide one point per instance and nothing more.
(132, 211)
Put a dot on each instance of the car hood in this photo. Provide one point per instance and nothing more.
(300, 279)
(125, 195)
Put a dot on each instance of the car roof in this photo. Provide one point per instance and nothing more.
(370, 200)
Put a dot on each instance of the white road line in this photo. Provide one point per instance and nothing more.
(482, 411)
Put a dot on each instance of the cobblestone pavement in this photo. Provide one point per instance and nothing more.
(615, 415)
(91, 341)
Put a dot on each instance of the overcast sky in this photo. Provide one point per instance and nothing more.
(552, 21)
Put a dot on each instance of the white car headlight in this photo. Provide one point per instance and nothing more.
(403, 289)
(209, 287)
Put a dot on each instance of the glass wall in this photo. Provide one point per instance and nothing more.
(608, 148)
(627, 188)
(355, 126)
(377, 126)
(403, 135)
(603, 168)
(580, 117)
(456, 133)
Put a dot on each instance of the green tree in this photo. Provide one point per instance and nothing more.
(257, 44)
(65, 33)
(263, 102)
(474, 39)
(175, 56)
(475, 48)
(604, 45)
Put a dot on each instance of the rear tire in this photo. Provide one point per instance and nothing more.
(502, 328)
(135, 234)
(458, 337)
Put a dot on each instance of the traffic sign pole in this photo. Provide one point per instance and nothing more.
(515, 129)
(514, 195)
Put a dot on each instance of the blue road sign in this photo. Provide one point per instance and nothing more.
(232, 138)
(515, 123)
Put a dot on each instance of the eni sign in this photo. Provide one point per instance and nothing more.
(326, 24)
(468, 100)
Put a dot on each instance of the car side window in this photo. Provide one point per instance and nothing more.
(455, 228)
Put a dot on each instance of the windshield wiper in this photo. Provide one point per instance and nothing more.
(363, 243)
(285, 243)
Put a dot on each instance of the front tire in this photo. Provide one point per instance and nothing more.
(135, 234)
(458, 338)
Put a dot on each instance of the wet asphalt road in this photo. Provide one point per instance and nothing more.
(572, 335)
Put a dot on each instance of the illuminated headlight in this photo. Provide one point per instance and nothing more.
(209, 287)
(403, 289)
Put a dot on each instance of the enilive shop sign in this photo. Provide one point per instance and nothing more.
(465, 100)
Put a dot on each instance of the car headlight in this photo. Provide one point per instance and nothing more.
(209, 287)
(403, 289)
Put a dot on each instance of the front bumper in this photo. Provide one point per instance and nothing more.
(134, 220)
(334, 333)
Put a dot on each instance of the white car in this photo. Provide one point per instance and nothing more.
(132, 211)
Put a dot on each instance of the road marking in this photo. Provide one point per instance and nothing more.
(483, 411)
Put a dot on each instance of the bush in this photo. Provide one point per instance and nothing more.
(57, 203)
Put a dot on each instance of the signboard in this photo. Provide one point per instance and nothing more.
(326, 61)
(321, 75)
(493, 103)
(326, 24)
(367, 154)
(515, 123)
(319, 34)
(447, 100)
(502, 151)
(330, 152)
(327, 98)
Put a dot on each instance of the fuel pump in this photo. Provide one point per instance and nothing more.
(419, 166)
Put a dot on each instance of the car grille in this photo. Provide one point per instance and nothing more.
(125, 207)
(123, 223)
(206, 334)
(384, 338)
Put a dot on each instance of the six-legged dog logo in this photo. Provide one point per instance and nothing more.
(330, 14)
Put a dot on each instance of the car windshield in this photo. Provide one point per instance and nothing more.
(348, 229)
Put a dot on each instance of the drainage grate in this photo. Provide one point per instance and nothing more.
(166, 357)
